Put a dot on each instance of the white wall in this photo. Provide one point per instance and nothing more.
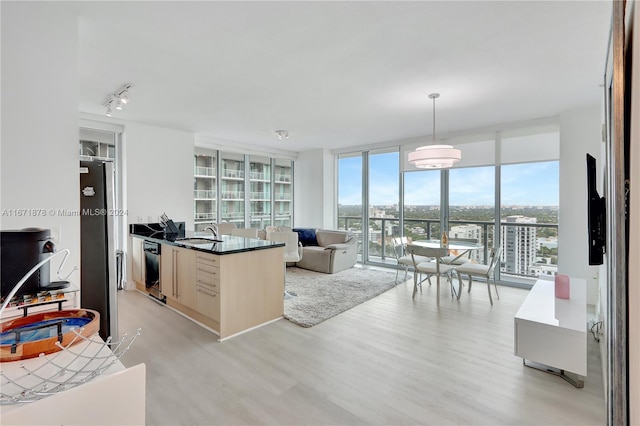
(580, 132)
(159, 173)
(329, 188)
(39, 146)
(314, 181)
(158, 176)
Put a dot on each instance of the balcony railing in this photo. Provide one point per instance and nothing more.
(232, 215)
(282, 197)
(233, 174)
(260, 196)
(283, 178)
(430, 229)
(260, 176)
(204, 171)
(233, 195)
(204, 193)
(204, 216)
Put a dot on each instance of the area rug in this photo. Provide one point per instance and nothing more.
(321, 296)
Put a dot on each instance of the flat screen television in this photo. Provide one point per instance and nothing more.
(596, 216)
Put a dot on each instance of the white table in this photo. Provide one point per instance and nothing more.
(117, 396)
(553, 331)
(461, 248)
(434, 248)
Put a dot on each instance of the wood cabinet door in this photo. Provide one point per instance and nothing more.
(208, 302)
(185, 276)
(137, 260)
(167, 277)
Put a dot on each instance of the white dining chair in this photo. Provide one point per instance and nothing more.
(480, 270)
(292, 250)
(225, 228)
(245, 232)
(403, 259)
(293, 247)
(435, 267)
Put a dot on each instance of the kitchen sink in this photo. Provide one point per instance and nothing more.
(197, 241)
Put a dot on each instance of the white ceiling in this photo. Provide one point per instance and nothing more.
(339, 74)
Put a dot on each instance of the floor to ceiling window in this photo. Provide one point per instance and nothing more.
(472, 206)
(260, 191)
(504, 193)
(350, 195)
(204, 191)
(529, 219)
(283, 192)
(383, 203)
(422, 204)
(232, 186)
(220, 179)
(529, 201)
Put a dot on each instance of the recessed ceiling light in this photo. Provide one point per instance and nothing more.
(282, 134)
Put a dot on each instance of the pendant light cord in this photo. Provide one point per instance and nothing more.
(434, 96)
(433, 136)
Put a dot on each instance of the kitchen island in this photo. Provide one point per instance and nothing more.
(230, 285)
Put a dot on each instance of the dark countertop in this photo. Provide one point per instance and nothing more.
(228, 245)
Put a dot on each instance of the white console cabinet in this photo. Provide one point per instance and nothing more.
(553, 331)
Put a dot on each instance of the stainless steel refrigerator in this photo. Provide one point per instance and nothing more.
(98, 265)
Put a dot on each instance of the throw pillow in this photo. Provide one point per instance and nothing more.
(307, 236)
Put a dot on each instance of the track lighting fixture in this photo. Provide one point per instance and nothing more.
(118, 99)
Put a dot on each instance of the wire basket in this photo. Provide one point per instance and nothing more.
(79, 362)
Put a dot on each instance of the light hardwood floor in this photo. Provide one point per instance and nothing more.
(389, 361)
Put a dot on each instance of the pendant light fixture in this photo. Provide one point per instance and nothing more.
(434, 156)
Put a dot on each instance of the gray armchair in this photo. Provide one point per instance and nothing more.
(336, 251)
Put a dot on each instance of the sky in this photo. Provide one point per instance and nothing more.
(522, 184)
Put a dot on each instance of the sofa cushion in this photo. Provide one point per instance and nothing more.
(306, 236)
(326, 238)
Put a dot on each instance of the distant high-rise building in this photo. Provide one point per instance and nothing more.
(472, 232)
(519, 245)
(543, 267)
(466, 231)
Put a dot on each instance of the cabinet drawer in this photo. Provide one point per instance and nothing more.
(208, 275)
(208, 302)
(209, 269)
(208, 259)
(208, 280)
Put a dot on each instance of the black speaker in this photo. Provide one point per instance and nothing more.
(20, 251)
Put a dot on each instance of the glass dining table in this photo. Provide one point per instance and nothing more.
(445, 255)
(457, 248)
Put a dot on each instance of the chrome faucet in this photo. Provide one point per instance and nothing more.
(213, 229)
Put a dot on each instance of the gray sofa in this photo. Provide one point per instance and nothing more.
(334, 252)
